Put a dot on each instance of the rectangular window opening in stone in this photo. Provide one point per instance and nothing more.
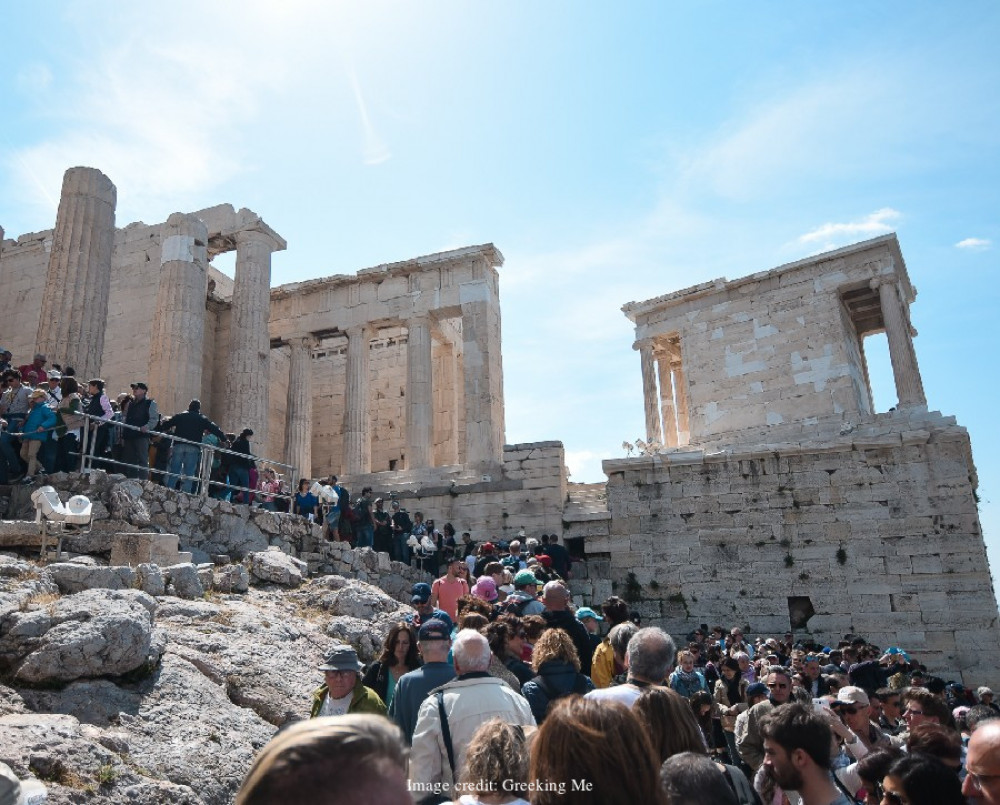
(862, 313)
(800, 610)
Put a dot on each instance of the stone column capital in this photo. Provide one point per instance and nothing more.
(308, 342)
(878, 281)
(263, 235)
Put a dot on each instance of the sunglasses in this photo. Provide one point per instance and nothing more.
(849, 710)
(891, 797)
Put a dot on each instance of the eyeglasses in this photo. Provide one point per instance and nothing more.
(341, 673)
(891, 797)
(979, 780)
(778, 685)
(910, 712)
(849, 710)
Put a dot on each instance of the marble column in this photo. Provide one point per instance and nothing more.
(482, 370)
(357, 423)
(909, 387)
(175, 364)
(299, 410)
(650, 396)
(667, 409)
(249, 343)
(74, 310)
(419, 393)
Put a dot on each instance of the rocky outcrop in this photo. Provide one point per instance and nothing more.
(74, 578)
(276, 567)
(94, 633)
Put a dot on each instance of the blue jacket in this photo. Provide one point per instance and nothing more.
(41, 416)
(562, 679)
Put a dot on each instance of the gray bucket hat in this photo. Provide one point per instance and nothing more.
(341, 658)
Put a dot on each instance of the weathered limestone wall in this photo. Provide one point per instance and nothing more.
(23, 268)
(878, 529)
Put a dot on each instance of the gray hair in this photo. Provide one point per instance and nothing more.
(471, 651)
(334, 759)
(619, 636)
(651, 653)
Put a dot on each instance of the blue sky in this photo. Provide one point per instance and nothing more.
(611, 153)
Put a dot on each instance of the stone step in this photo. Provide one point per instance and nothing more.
(586, 502)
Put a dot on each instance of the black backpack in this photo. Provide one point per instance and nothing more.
(579, 687)
(515, 604)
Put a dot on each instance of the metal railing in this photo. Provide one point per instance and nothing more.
(203, 482)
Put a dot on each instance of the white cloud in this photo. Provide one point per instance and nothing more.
(834, 234)
(974, 244)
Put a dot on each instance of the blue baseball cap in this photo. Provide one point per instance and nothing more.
(587, 612)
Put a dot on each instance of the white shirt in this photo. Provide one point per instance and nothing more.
(336, 707)
(626, 694)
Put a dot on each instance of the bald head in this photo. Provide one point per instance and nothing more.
(555, 596)
(982, 783)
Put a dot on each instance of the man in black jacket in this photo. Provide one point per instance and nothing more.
(191, 425)
(239, 467)
(557, 615)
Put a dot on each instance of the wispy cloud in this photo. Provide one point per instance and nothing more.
(375, 150)
(833, 234)
(974, 244)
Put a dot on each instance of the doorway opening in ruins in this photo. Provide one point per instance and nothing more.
(800, 610)
(871, 368)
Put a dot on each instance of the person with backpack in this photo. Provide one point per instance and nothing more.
(402, 526)
(524, 600)
(557, 667)
(364, 527)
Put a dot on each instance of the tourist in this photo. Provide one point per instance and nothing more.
(434, 645)
(507, 637)
(36, 430)
(364, 528)
(593, 753)
(750, 744)
(383, 541)
(399, 656)
(53, 389)
(921, 707)
(69, 425)
(346, 760)
(423, 609)
(446, 590)
(305, 502)
(557, 614)
(269, 486)
(185, 458)
(692, 779)
(524, 600)
(514, 561)
(487, 554)
(14, 400)
(496, 766)
(982, 765)
(890, 711)
(685, 679)
(796, 743)
(343, 691)
(139, 418)
(648, 658)
(853, 706)
(604, 666)
(730, 698)
(985, 697)
(591, 622)
(98, 407)
(918, 779)
(559, 556)
(401, 528)
(668, 721)
(485, 589)
(557, 668)
(240, 462)
(463, 704)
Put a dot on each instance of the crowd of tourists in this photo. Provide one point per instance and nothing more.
(47, 416)
(497, 689)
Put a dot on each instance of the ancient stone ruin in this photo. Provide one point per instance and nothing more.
(768, 492)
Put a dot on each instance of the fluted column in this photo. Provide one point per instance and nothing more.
(74, 309)
(419, 399)
(909, 386)
(175, 366)
(667, 410)
(357, 423)
(299, 410)
(482, 369)
(249, 344)
(650, 397)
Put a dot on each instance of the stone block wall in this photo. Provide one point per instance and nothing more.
(878, 532)
(23, 268)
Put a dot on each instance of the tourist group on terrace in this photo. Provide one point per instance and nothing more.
(498, 689)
